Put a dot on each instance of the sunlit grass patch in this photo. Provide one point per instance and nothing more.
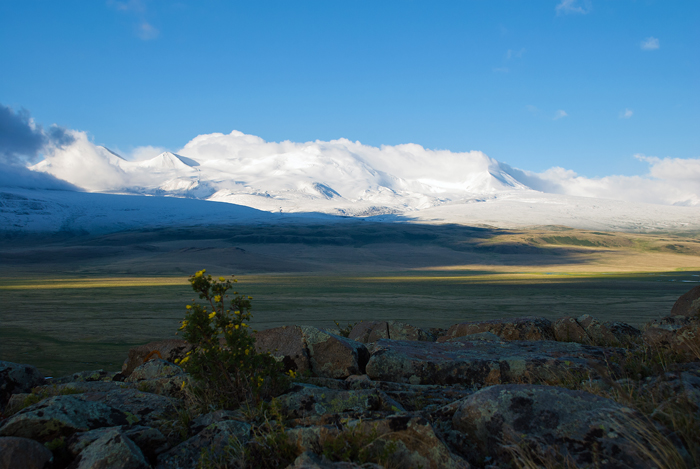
(99, 282)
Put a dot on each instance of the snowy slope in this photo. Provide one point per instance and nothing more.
(36, 210)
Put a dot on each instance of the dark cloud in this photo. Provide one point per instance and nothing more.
(21, 140)
(19, 176)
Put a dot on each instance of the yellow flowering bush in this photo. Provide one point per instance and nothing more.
(224, 361)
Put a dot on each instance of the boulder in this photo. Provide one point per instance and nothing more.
(677, 334)
(310, 460)
(16, 378)
(403, 331)
(287, 345)
(113, 449)
(548, 420)
(688, 304)
(333, 356)
(203, 421)
(85, 376)
(609, 333)
(150, 440)
(481, 362)
(526, 328)
(567, 329)
(169, 350)
(369, 331)
(154, 369)
(372, 331)
(140, 407)
(311, 401)
(213, 442)
(23, 453)
(60, 416)
(413, 442)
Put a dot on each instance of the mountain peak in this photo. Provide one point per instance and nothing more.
(167, 161)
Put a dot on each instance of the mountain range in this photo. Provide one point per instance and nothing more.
(318, 179)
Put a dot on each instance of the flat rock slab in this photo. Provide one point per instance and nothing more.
(590, 430)
(480, 362)
(144, 408)
(61, 416)
(314, 401)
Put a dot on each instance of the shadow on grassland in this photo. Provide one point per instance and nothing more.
(357, 245)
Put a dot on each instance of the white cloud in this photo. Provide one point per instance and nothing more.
(626, 114)
(146, 31)
(143, 29)
(515, 53)
(398, 175)
(650, 43)
(669, 181)
(566, 7)
(145, 153)
(560, 114)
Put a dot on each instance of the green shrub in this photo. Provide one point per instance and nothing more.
(224, 363)
(357, 445)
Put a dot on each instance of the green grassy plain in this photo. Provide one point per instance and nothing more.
(65, 326)
(79, 303)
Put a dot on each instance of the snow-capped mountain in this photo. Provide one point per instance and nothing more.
(339, 177)
(312, 177)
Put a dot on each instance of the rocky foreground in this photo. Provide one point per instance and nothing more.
(522, 392)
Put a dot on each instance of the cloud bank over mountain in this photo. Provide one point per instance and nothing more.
(345, 177)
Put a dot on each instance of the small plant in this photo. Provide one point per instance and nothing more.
(345, 331)
(224, 363)
(356, 445)
(270, 446)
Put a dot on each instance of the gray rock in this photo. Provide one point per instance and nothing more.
(154, 369)
(688, 304)
(169, 350)
(609, 333)
(287, 345)
(59, 416)
(676, 334)
(16, 378)
(312, 401)
(85, 376)
(480, 362)
(203, 421)
(369, 331)
(403, 331)
(112, 450)
(310, 460)
(23, 453)
(150, 440)
(575, 424)
(333, 356)
(215, 440)
(567, 329)
(414, 443)
(139, 407)
(482, 336)
(372, 331)
(526, 328)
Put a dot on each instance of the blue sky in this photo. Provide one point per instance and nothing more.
(580, 84)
